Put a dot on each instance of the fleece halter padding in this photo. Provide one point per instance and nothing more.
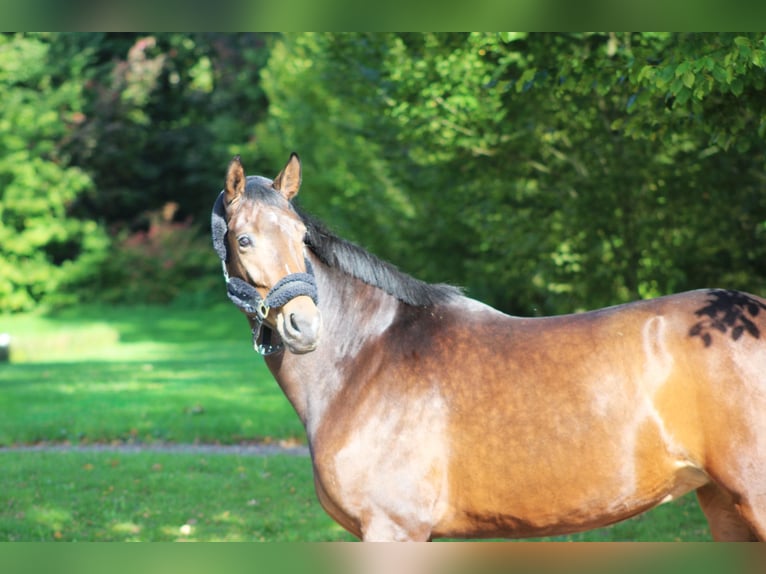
(247, 298)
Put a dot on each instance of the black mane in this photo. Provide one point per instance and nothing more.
(363, 265)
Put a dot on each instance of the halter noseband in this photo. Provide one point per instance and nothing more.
(247, 298)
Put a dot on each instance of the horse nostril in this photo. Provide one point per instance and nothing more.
(299, 329)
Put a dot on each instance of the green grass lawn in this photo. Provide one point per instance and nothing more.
(145, 375)
(77, 496)
(139, 375)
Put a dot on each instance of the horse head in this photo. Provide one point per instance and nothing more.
(263, 252)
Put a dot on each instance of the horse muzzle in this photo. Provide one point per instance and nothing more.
(294, 299)
(298, 324)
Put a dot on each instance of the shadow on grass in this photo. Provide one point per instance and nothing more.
(168, 324)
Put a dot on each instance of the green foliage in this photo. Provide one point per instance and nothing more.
(41, 246)
(99, 131)
(162, 112)
(168, 262)
(545, 172)
(347, 177)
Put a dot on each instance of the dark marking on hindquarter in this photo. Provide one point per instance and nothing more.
(727, 312)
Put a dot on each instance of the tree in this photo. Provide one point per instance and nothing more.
(162, 114)
(106, 131)
(545, 172)
(42, 247)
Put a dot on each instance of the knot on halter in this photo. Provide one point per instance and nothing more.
(247, 298)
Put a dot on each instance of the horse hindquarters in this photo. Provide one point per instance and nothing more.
(723, 516)
(734, 502)
(735, 435)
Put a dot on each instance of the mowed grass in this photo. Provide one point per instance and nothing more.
(76, 496)
(172, 375)
(139, 375)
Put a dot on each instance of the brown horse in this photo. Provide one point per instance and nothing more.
(429, 414)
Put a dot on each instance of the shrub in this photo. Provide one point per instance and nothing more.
(167, 261)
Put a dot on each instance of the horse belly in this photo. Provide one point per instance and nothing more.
(570, 467)
(561, 492)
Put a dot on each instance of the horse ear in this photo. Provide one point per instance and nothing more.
(235, 180)
(288, 182)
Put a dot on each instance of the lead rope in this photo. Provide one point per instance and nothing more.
(247, 298)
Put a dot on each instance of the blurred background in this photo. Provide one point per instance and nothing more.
(545, 173)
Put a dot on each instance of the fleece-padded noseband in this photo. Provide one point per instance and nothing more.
(247, 298)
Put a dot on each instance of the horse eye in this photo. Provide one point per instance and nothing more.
(244, 241)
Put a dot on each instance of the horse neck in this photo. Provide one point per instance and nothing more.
(353, 314)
